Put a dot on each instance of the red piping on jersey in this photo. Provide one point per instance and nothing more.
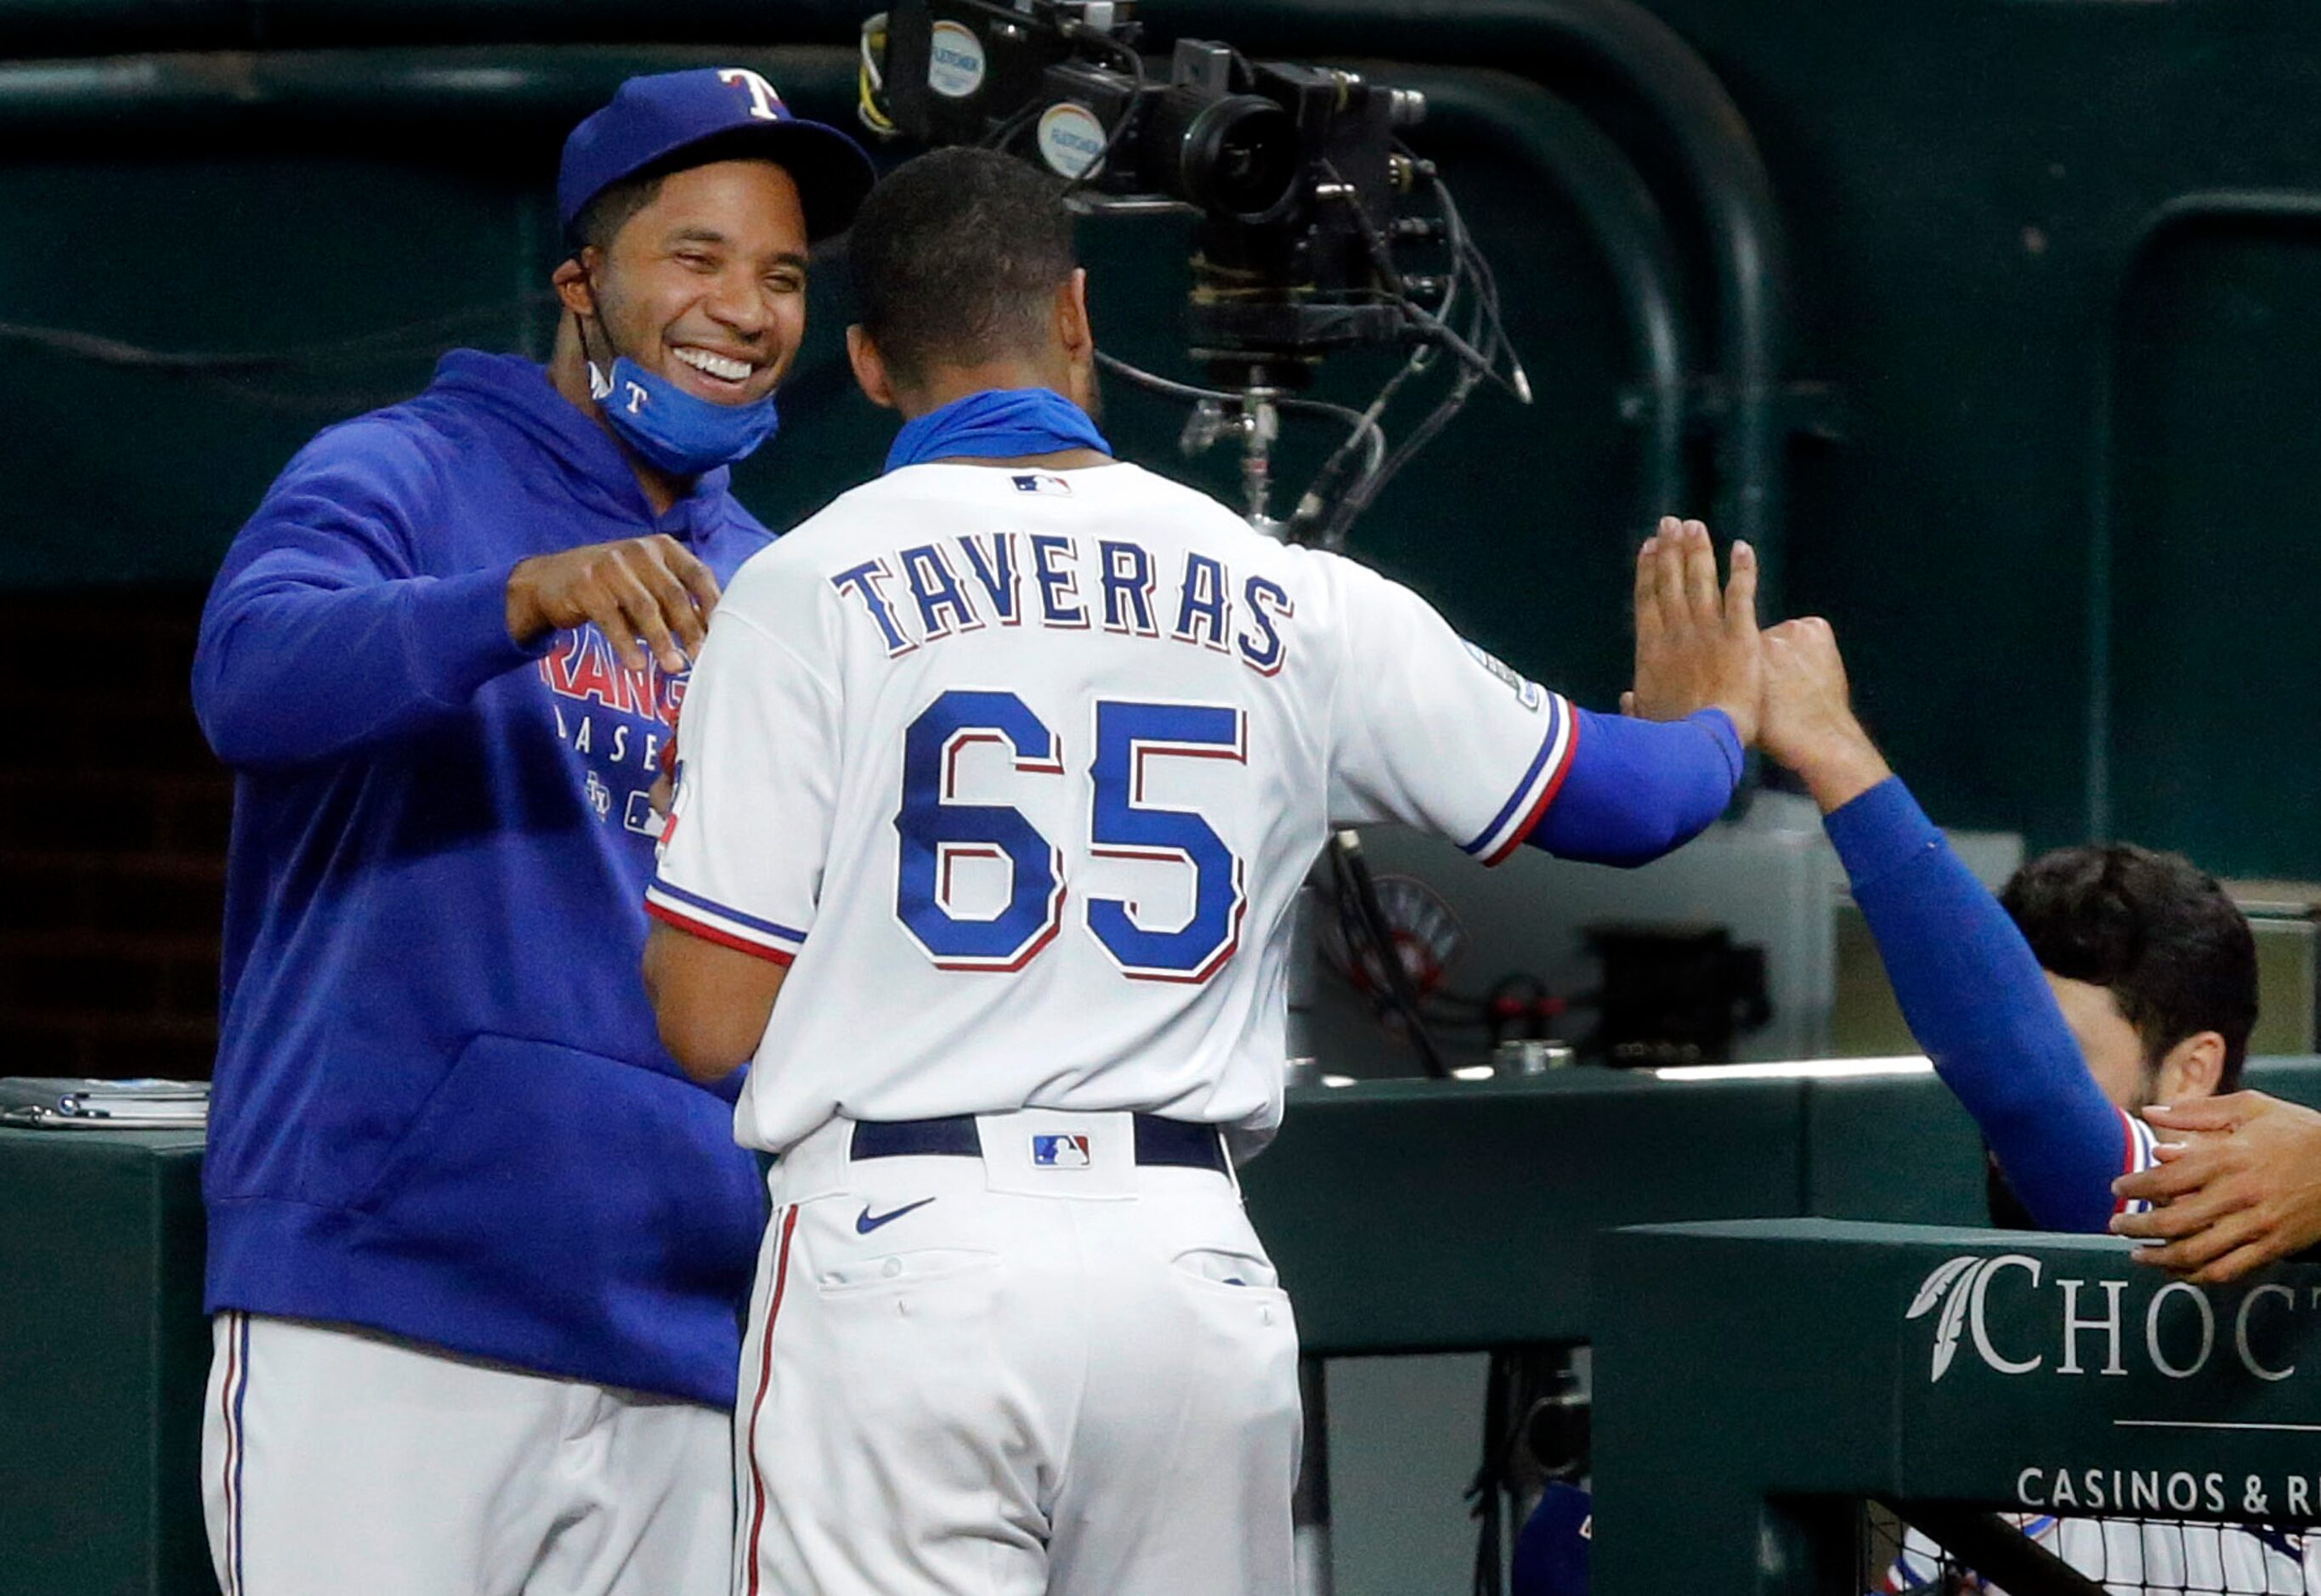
(1547, 796)
(233, 1444)
(724, 939)
(766, 1380)
(2126, 1157)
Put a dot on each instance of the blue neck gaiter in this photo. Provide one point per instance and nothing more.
(997, 423)
(678, 432)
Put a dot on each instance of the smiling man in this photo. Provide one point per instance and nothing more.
(477, 1246)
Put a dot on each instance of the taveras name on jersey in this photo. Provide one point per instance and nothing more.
(1202, 598)
(1021, 774)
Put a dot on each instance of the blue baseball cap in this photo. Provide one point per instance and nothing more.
(653, 122)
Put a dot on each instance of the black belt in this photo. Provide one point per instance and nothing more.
(1171, 1141)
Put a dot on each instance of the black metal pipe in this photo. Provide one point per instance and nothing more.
(2296, 206)
(1624, 219)
(97, 27)
(1994, 1548)
(365, 95)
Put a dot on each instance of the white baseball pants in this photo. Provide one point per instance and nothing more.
(989, 1376)
(336, 1460)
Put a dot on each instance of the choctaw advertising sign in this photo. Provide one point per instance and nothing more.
(2069, 1379)
(1756, 1378)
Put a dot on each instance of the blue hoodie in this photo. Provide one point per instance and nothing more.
(442, 1108)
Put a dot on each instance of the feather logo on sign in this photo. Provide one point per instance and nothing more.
(1955, 1280)
(1937, 1284)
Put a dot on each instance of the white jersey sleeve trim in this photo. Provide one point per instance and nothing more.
(713, 922)
(1532, 794)
(2141, 1153)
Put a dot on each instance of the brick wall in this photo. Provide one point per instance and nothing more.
(113, 833)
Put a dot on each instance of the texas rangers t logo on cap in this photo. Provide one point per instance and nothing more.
(663, 121)
(765, 105)
(1059, 1153)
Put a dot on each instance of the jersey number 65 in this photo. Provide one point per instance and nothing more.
(937, 831)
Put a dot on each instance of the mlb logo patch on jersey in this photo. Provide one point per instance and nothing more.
(1525, 690)
(1041, 482)
(1059, 1153)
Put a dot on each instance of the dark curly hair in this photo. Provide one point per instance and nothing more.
(2158, 931)
(955, 259)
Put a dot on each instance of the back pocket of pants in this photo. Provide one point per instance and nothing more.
(1223, 1267)
(925, 1266)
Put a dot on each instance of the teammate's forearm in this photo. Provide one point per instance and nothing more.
(1842, 769)
(1637, 788)
(1975, 1000)
(291, 670)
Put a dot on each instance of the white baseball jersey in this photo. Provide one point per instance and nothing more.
(1022, 770)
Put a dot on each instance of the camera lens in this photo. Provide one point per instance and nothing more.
(1240, 156)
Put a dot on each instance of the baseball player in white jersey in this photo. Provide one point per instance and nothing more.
(1002, 773)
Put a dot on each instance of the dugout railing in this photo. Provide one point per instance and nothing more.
(1758, 1381)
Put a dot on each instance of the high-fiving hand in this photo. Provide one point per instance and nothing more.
(1697, 648)
(1809, 723)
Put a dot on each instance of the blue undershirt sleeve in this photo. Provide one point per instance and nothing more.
(1638, 789)
(320, 638)
(1977, 1002)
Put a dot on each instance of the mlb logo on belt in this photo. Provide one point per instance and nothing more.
(1059, 1153)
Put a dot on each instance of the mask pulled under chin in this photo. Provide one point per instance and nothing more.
(678, 431)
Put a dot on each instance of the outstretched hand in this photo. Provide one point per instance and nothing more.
(1696, 648)
(1809, 723)
(2244, 1191)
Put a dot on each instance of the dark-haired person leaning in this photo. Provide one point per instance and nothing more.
(2101, 982)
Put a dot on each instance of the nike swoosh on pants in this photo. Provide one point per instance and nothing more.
(865, 1222)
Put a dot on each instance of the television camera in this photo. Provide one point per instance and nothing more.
(1315, 228)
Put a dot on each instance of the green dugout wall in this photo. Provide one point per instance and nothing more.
(1758, 1379)
(1740, 1369)
(2047, 353)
